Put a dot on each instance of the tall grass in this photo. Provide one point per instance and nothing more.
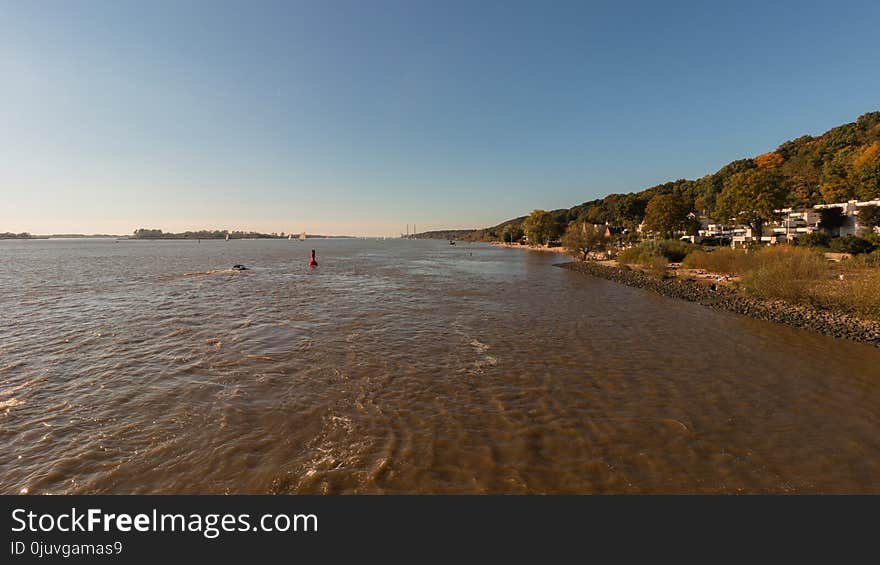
(724, 260)
(798, 274)
(858, 293)
(784, 271)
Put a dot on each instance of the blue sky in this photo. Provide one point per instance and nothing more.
(359, 117)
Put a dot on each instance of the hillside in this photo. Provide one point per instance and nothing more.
(839, 165)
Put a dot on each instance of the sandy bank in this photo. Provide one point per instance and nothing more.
(530, 247)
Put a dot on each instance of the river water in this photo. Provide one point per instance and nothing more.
(404, 367)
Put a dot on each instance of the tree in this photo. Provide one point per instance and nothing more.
(629, 209)
(512, 233)
(667, 213)
(581, 239)
(831, 218)
(814, 239)
(869, 217)
(540, 227)
(769, 160)
(752, 198)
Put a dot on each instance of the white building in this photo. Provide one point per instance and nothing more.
(793, 224)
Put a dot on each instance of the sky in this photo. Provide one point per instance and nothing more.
(360, 117)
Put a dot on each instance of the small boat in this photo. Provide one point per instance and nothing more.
(451, 242)
(302, 236)
(289, 236)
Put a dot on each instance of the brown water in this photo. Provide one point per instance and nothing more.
(404, 366)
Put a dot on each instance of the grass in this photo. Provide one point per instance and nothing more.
(798, 274)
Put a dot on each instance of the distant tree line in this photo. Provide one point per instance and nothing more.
(22, 235)
(143, 233)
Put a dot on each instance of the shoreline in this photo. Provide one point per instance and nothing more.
(529, 247)
(834, 324)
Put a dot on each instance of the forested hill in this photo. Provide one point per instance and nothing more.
(839, 165)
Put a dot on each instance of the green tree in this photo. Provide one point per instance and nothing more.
(540, 227)
(667, 213)
(581, 239)
(831, 218)
(512, 233)
(629, 209)
(752, 198)
(869, 217)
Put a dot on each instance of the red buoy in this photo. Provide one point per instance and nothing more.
(312, 262)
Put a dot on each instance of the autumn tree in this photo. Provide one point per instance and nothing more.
(581, 239)
(769, 160)
(540, 227)
(752, 198)
(667, 213)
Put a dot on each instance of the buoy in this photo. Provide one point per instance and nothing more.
(312, 262)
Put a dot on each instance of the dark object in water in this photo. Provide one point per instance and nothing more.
(312, 262)
(239, 268)
(451, 242)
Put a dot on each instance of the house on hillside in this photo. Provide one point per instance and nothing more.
(792, 224)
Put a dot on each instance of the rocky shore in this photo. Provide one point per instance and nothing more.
(836, 324)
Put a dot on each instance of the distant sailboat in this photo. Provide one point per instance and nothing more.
(302, 236)
(227, 237)
(289, 236)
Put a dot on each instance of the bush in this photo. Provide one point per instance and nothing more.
(675, 250)
(646, 255)
(654, 253)
(866, 260)
(715, 241)
(852, 244)
(814, 239)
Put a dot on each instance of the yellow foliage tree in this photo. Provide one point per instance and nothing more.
(769, 160)
(835, 190)
(869, 156)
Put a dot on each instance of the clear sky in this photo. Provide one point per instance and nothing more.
(359, 117)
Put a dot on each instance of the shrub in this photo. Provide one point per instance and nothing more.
(866, 260)
(852, 244)
(674, 249)
(647, 254)
(715, 241)
(637, 255)
(814, 239)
